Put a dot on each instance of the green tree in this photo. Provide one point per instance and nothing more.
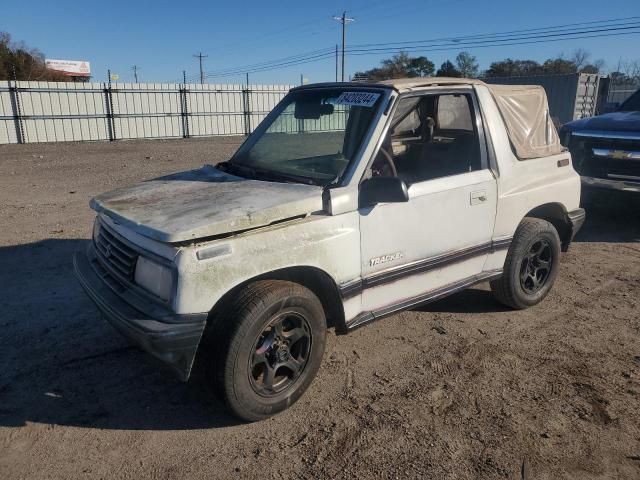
(400, 66)
(513, 68)
(467, 65)
(447, 69)
(559, 66)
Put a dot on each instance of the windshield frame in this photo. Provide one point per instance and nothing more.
(264, 125)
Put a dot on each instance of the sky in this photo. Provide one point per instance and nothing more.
(161, 37)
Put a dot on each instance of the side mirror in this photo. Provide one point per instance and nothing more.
(382, 190)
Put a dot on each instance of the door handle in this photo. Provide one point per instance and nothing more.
(478, 197)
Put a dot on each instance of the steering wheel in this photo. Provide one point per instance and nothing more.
(389, 163)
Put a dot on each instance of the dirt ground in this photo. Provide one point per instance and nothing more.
(461, 389)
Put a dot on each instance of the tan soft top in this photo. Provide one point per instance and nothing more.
(417, 82)
(524, 109)
(525, 112)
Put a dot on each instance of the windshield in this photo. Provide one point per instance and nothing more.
(312, 137)
(632, 104)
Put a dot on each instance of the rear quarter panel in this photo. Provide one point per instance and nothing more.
(526, 184)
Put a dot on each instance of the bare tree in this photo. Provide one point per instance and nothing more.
(580, 57)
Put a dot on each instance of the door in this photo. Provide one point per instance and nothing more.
(442, 235)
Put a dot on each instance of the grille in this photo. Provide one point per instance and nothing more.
(590, 165)
(115, 255)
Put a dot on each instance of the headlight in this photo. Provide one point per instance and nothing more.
(154, 277)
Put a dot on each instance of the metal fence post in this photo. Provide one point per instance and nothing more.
(247, 109)
(184, 106)
(17, 109)
(111, 123)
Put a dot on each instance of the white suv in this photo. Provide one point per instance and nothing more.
(349, 202)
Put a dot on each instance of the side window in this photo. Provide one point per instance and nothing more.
(454, 113)
(431, 136)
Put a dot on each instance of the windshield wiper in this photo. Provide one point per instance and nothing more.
(258, 173)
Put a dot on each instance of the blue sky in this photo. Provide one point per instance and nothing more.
(161, 36)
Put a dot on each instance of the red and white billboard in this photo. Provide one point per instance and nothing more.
(74, 68)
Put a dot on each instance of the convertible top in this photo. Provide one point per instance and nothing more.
(525, 112)
(524, 109)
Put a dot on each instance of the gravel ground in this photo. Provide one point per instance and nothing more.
(462, 388)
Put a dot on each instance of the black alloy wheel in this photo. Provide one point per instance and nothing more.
(536, 266)
(280, 354)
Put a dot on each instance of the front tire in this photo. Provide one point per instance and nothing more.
(531, 266)
(266, 348)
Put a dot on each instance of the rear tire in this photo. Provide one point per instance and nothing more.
(531, 266)
(265, 349)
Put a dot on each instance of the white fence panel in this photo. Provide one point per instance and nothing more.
(60, 112)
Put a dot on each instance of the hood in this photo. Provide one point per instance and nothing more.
(203, 203)
(614, 121)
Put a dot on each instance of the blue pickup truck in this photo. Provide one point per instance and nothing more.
(606, 148)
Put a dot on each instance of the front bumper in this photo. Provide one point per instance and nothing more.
(170, 337)
(619, 185)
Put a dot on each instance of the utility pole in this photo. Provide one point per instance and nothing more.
(200, 56)
(336, 62)
(344, 20)
(135, 72)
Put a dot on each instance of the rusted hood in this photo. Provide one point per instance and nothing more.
(203, 203)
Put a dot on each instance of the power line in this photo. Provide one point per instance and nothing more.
(496, 42)
(200, 56)
(243, 69)
(275, 66)
(624, 20)
(269, 65)
(600, 28)
(495, 37)
(344, 20)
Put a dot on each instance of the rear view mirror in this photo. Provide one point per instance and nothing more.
(382, 190)
(310, 110)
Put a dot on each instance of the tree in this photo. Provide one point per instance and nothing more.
(595, 67)
(514, 68)
(400, 66)
(27, 62)
(447, 69)
(580, 58)
(467, 65)
(421, 67)
(552, 66)
(559, 66)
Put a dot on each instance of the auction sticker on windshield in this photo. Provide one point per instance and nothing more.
(357, 99)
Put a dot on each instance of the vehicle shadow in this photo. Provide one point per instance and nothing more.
(62, 364)
(612, 217)
(472, 300)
